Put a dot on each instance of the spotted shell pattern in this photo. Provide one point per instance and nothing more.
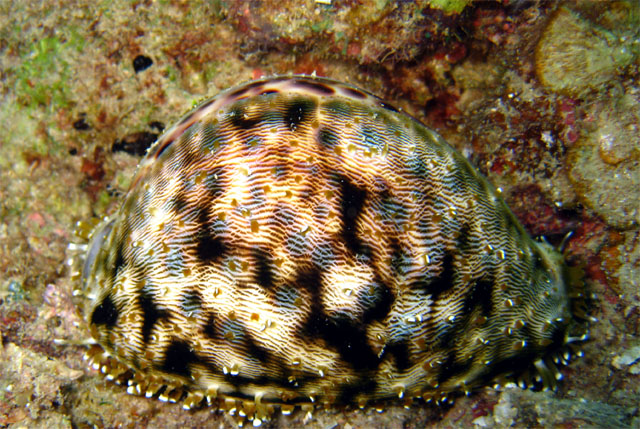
(296, 240)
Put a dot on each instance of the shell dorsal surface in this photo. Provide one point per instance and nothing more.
(297, 238)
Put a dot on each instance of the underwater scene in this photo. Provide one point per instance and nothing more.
(320, 213)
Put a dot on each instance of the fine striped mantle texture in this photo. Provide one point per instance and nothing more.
(297, 241)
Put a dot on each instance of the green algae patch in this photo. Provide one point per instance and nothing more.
(42, 77)
(450, 6)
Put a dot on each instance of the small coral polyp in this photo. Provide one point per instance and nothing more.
(297, 241)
